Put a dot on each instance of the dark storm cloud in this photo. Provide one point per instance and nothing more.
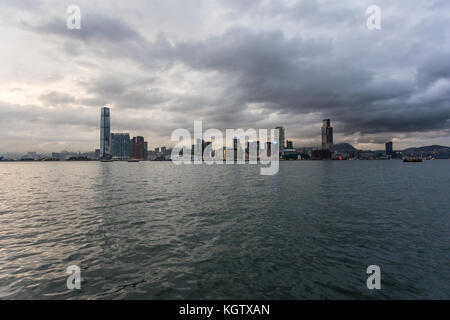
(289, 61)
(435, 68)
(292, 76)
(296, 76)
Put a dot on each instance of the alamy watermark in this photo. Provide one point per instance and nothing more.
(74, 280)
(374, 280)
(373, 22)
(242, 147)
(74, 19)
(374, 19)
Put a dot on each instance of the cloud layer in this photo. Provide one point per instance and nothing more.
(161, 65)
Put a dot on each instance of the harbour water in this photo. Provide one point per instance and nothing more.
(153, 230)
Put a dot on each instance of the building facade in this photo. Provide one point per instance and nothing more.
(281, 141)
(389, 148)
(105, 134)
(120, 146)
(327, 135)
(138, 149)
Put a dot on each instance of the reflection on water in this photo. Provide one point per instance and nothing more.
(157, 231)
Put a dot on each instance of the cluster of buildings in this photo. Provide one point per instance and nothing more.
(237, 152)
(330, 151)
(120, 147)
(54, 156)
(326, 152)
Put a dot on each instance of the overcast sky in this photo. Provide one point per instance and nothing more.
(161, 64)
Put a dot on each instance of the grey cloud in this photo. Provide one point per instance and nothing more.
(294, 76)
(124, 93)
(55, 98)
(94, 27)
(286, 61)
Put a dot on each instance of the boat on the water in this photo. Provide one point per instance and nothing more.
(412, 160)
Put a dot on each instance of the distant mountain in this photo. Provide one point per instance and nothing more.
(437, 152)
(427, 149)
(344, 147)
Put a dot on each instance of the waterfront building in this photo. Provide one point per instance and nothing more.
(281, 140)
(389, 148)
(105, 134)
(268, 148)
(289, 145)
(56, 155)
(320, 154)
(31, 155)
(120, 146)
(138, 149)
(237, 150)
(327, 135)
(205, 144)
(252, 145)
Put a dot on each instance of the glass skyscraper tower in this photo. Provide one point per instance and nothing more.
(120, 146)
(105, 134)
(327, 135)
(281, 140)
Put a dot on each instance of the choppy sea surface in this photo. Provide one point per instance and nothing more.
(153, 230)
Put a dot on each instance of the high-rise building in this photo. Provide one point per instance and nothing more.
(205, 144)
(281, 141)
(31, 155)
(327, 135)
(120, 146)
(389, 148)
(236, 148)
(105, 134)
(289, 145)
(138, 149)
(252, 145)
(268, 148)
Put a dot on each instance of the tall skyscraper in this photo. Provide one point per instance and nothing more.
(327, 135)
(105, 134)
(389, 148)
(120, 146)
(237, 149)
(289, 145)
(281, 141)
(268, 148)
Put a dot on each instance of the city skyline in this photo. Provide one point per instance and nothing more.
(120, 146)
(231, 64)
